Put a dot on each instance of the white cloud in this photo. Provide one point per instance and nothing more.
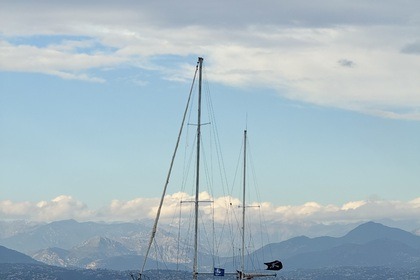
(59, 60)
(61, 207)
(299, 50)
(415, 203)
(353, 205)
(66, 207)
(352, 211)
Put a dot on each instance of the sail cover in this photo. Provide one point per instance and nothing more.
(275, 265)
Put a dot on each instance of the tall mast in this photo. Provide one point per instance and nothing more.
(197, 180)
(243, 210)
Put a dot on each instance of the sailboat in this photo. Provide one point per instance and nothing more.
(240, 274)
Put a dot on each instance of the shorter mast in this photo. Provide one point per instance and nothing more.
(241, 274)
(243, 208)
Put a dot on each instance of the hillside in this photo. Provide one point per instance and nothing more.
(11, 256)
(370, 244)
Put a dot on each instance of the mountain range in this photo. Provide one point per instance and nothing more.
(120, 247)
(370, 244)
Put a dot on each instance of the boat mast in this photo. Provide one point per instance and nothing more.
(243, 211)
(197, 180)
(242, 275)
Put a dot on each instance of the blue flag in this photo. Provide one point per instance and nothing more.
(219, 272)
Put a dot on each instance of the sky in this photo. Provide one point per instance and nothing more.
(92, 95)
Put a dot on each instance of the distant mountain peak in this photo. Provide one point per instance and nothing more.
(370, 231)
(100, 241)
(373, 228)
(101, 245)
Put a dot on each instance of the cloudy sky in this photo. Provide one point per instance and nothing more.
(92, 92)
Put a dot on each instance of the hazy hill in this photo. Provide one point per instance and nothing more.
(370, 244)
(53, 256)
(100, 246)
(369, 231)
(84, 255)
(379, 252)
(11, 256)
(69, 233)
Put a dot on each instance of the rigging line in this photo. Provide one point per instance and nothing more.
(255, 185)
(238, 164)
(251, 244)
(216, 136)
(176, 221)
(187, 165)
(263, 225)
(188, 160)
(213, 235)
(263, 228)
(204, 229)
(210, 169)
(208, 161)
(218, 237)
(169, 173)
(254, 176)
(187, 235)
(220, 162)
(218, 145)
(235, 225)
(222, 231)
(160, 254)
(210, 183)
(208, 105)
(178, 237)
